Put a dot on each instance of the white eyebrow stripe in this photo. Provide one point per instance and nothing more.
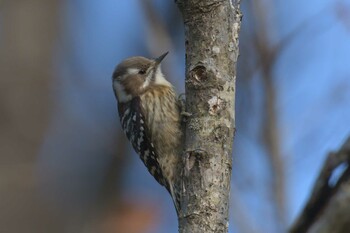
(133, 71)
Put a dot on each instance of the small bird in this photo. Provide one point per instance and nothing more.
(150, 115)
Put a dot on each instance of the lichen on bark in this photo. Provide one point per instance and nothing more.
(211, 34)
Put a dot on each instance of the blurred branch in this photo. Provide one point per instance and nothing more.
(28, 32)
(110, 192)
(268, 55)
(328, 199)
(343, 14)
(271, 135)
(272, 140)
(261, 40)
(158, 37)
(301, 27)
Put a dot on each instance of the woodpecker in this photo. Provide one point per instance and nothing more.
(149, 113)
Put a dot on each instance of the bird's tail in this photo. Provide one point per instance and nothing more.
(175, 195)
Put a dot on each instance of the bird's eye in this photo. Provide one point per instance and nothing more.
(142, 71)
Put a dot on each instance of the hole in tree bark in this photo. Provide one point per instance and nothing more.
(199, 74)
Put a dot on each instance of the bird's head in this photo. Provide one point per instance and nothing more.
(135, 75)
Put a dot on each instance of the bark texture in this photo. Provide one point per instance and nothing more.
(327, 210)
(211, 34)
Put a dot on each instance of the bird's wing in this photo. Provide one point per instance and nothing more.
(134, 126)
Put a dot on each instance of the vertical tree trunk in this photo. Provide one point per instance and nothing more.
(211, 31)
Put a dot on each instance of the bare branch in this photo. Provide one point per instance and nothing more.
(211, 34)
(271, 137)
(323, 193)
(158, 38)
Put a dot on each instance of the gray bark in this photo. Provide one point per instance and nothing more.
(211, 34)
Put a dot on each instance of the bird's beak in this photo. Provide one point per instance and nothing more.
(160, 58)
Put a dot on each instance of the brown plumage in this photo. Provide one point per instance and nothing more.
(150, 117)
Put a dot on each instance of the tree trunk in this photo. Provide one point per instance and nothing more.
(211, 31)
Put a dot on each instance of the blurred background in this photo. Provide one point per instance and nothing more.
(65, 165)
